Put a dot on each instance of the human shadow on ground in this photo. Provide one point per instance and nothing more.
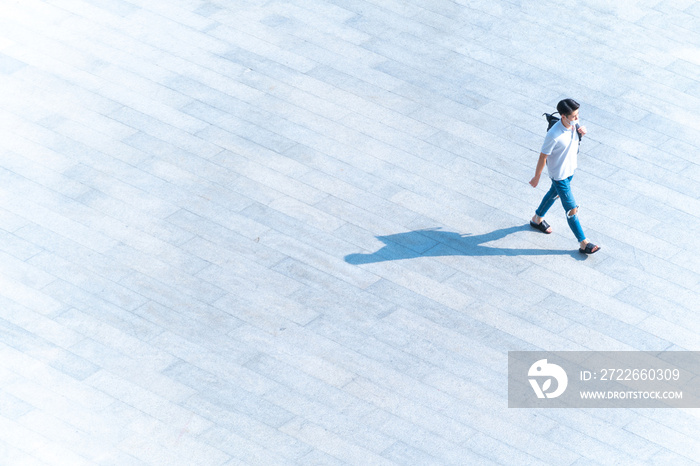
(434, 243)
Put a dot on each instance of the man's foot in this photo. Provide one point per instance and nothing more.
(539, 224)
(588, 248)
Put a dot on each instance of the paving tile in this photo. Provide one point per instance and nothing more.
(12, 408)
(414, 413)
(9, 65)
(147, 402)
(425, 442)
(650, 430)
(381, 349)
(242, 450)
(116, 188)
(306, 385)
(343, 426)
(11, 223)
(15, 455)
(267, 177)
(577, 292)
(322, 260)
(588, 317)
(669, 331)
(36, 448)
(330, 443)
(588, 447)
(31, 298)
(166, 261)
(499, 452)
(217, 355)
(224, 393)
(313, 364)
(660, 288)
(105, 288)
(343, 168)
(605, 432)
(65, 391)
(273, 439)
(401, 453)
(250, 309)
(671, 457)
(105, 355)
(83, 443)
(60, 224)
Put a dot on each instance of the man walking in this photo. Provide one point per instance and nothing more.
(560, 152)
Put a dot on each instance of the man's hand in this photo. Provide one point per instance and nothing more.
(535, 181)
(582, 130)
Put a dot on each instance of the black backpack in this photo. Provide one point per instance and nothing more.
(551, 120)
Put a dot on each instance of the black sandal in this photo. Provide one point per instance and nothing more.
(590, 249)
(542, 226)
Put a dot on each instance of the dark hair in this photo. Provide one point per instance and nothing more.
(567, 106)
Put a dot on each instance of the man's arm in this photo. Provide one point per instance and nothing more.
(538, 171)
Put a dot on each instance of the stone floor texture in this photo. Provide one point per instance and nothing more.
(296, 231)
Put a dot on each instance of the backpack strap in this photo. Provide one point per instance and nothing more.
(551, 120)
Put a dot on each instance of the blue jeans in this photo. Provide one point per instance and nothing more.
(562, 188)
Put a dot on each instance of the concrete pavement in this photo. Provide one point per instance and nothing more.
(295, 232)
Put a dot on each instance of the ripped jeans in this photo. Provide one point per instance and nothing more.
(562, 189)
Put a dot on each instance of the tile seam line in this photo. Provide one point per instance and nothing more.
(111, 175)
(60, 194)
(457, 52)
(58, 394)
(283, 49)
(437, 129)
(118, 84)
(387, 387)
(94, 210)
(142, 232)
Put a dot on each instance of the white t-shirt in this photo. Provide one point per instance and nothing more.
(561, 148)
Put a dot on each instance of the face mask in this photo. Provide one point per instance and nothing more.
(574, 122)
